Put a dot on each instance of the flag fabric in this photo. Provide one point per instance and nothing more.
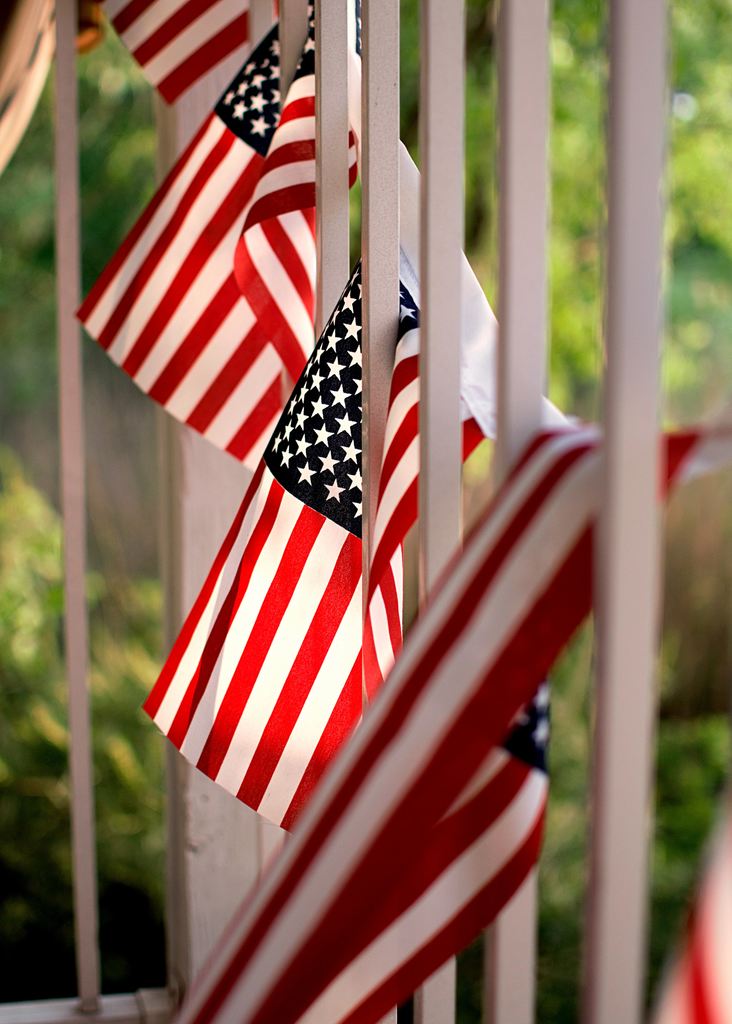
(699, 989)
(265, 681)
(176, 42)
(396, 509)
(168, 309)
(410, 845)
(275, 257)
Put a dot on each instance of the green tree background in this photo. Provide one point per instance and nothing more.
(118, 175)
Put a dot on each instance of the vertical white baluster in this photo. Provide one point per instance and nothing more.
(379, 242)
(380, 236)
(510, 960)
(73, 502)
(441, 145)
(628, 555)
(293, 33)
(331, 153)
(213, 839)
(261, 15)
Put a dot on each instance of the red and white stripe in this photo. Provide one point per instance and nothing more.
(176, 42)
(410, 846)
(396, 511)
(168, 310)
(275, 258)
(700, 987)
(264, 682)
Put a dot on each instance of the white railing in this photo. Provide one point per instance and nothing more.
(216, 847)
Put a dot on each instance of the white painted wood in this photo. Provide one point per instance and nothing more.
(379, 237)
(152, 1006)
(510, 948)
(379, 245)
(261, 16)
(73, 507)
(628, 555)
(441, 146)
(213, 839)
(293, 33)
(331, 152)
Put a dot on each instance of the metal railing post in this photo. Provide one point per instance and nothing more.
(73, 502)
(441, 145)
(628, 542)
(523, 64)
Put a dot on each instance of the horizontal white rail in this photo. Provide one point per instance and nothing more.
(147, 1006)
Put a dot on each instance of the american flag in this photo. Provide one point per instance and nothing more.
(275, 257)
(699, 989)
(168, 309)
(265, 681)
(412, 843)
(176, 42)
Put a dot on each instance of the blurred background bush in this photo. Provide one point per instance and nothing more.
(118, 176)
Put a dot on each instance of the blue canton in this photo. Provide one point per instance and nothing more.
(529, 738)
(315, 451)
(250, 107)
(306, 64)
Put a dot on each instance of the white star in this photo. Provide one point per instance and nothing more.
(351, 452)
(277, 442)
(329, 463)
(332, 338)
(356, 358)
(240, 110)
(357, 382)
(541, 733)
(257, 80)
(288, 430)
(348, 301)
(356, 478)
(542, 697)
(275, 47)
(305, 474)
(242, 88)
(334, 491)
(318, 407)
(358, 505)
(339, 397)
(286, 456)
(309, 45)
(318, 379)
(335, 368)
(406, 312)
(257, 102)
(345, 423)
(301, 417)
(259, 127)
(302, 446)
(322, 435)
(229, 97)
(352, 330)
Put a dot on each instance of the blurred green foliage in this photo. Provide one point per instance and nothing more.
(117, 177)
(35, 898)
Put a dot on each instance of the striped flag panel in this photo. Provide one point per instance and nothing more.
(265, 680)
(414, 841)
(176, 42)
(168, 309)
(275, 257)
(699, 989)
